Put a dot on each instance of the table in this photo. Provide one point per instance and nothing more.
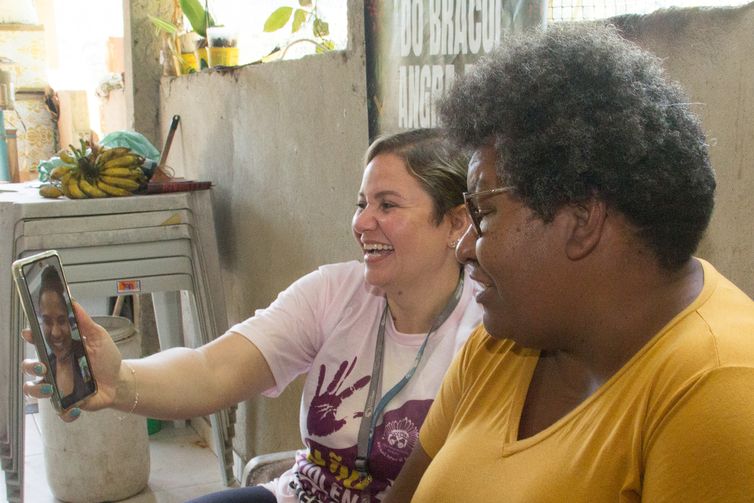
(160, 244)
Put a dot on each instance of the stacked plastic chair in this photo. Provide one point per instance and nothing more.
(159, 244)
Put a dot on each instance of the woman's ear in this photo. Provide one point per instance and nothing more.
(585, 228)
(459, 222)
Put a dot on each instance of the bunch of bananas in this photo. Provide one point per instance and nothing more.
(93, 171)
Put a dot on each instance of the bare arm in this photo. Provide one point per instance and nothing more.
(173, 384)
(411, 473)
(181, 382)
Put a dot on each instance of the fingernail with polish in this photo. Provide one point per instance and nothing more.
(75, 412)
(46, 389)
(39, 369)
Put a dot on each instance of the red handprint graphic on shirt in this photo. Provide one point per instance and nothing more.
(322, 419)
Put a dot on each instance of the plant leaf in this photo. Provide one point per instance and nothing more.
(196, 15)
(320, 28)
(278, 19)
(305, 3)
(163, 25)
(299, 17)
(324, 46)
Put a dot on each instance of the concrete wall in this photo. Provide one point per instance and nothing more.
(283, 143)
(711, 53)
(142, 65)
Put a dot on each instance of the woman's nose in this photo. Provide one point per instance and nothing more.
(364, 220)
(466, 247)
(61, 328)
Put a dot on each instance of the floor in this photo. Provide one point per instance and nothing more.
(182, 467)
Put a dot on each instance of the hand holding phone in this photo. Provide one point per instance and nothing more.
(46, 301)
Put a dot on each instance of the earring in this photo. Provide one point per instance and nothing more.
(453, 244)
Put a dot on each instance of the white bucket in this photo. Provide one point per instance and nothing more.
(99, 457)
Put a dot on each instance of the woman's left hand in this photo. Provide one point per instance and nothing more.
(104, 358)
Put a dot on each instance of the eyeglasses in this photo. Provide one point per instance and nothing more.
(472, 207)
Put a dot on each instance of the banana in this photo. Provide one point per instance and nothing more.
(113, 191)
(123, 183)
(50, 191)
(74, 189)
(66, 157)
(110, 153)
(90, 189)
(57, 173)
(124, 160)
(63, 184)
(119, 171)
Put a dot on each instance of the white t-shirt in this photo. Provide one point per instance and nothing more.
(327, 322)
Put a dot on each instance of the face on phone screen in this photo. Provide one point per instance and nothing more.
(68, 365)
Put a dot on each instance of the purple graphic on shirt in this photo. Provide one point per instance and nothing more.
(321, 420)
(395, 437)
(329, 473)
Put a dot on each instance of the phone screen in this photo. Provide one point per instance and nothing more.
(68, 366)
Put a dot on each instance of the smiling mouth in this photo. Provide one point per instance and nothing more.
(377, 249)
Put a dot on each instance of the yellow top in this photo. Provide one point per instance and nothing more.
(676, 423)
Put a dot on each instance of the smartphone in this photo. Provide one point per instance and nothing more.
(46, 300)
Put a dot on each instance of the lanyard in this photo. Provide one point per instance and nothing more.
(372, 412)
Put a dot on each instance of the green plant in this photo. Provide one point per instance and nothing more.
(169, 33)
(306, 13)
(198, 17)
